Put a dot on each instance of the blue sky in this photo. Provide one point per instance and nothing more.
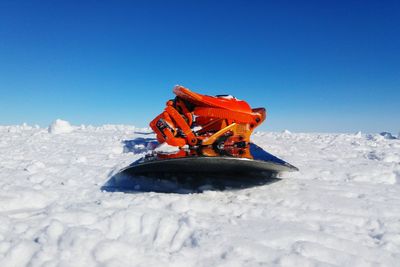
(325, 66)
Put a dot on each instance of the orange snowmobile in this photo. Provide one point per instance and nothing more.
(210, 135)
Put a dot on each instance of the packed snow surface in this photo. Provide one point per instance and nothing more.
(341, 209)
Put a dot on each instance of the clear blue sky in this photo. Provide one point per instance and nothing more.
(315, 65)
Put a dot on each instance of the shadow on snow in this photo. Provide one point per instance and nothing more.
(139, 145)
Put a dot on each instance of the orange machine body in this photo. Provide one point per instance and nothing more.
(200, 120)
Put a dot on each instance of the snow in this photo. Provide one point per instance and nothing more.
(165, 148)
(341, 209)
(387, 135)
(358, 134)
(60, 126)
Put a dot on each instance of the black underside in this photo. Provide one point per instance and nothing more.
(262, 162)
(196, 173)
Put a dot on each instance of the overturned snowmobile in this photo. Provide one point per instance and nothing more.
(211, 134)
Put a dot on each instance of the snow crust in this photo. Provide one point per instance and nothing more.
(341, 209)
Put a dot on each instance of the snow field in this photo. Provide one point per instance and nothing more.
(341, 209)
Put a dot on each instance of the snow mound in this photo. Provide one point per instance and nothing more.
(387, 135)
(60, 126)
(358, 134)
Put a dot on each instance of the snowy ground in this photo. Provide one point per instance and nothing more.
(341, 209)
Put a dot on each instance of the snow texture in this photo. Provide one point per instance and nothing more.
(341, 209)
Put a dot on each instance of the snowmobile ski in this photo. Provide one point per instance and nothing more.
(205, 160)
